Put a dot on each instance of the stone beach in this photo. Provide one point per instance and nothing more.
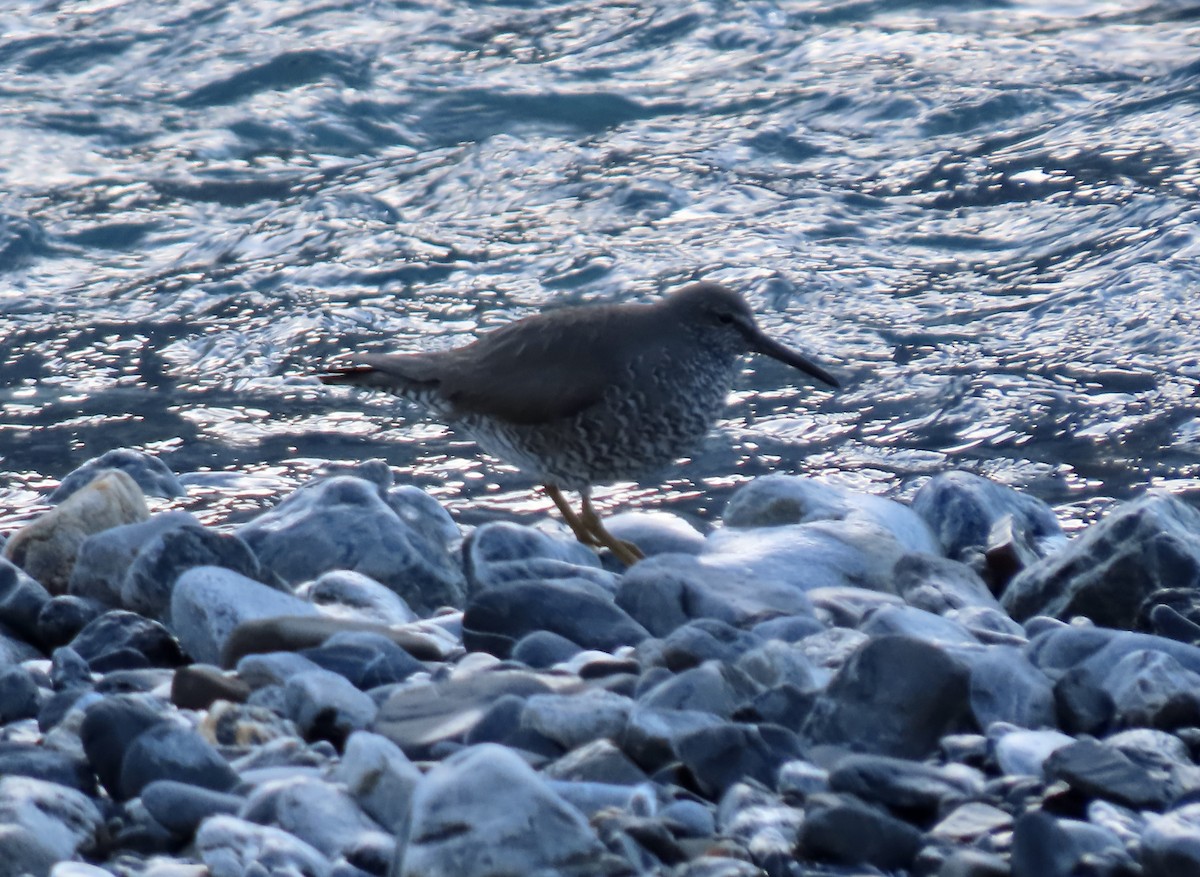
(826, 683)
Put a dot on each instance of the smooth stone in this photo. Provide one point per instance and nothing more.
(273, 668)
(777, 663)
(209, 602)
(180, 807)
(366, 659)
(26, 852)
(667, 591)
(575, 719)
(148, 585)
(652, 736)
(969, 822)
(483, 812)
(46, 548)
(939, 584)
(916, 623)
(376, 470)
(1171, 843)
(724, 754)
(326, 706)
(894, 696)
(379, 776)
(419, 718)
(135, 680)
(345, 523)
(1018, 751)
(196, 687)
(909, 788)
(1045, 846)
(50, 765)
(497, 618)
(20, 696)
(717, 866)
(687, 818)
(119, 629)
(68, 669)
(962, 508)
(21, 602)
(846, 831)
(542, 649)
(787, 628)
(1094, 651)
(63, 617)
(168, 751)
(798, 779)
(991, 626)
(1141, 684)
(109, 727)
(105, 558)
(425, 515)
(151, 474)
(1009, 550)
(974, 863)
(320, 813)
(778, 500)
(1107, 572)
(232, 847)
(705, 639)
(343, 593)
(501, 553)
(849, 607)
(599, 761)
(296, 633)
(656, 532)
(1095, 770)
(713, 687)
(62, 819)
(1005, 687)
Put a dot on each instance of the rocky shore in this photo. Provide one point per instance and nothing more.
(826, 683)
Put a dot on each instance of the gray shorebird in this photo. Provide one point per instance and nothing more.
(588, 395)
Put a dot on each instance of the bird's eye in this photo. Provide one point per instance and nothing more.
(726, 319)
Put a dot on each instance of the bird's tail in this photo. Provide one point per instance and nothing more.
(352, 375)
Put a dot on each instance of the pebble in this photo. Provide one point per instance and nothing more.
(232, 847)
(326, 706)
(150, 474)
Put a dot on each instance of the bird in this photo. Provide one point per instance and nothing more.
(587, 395)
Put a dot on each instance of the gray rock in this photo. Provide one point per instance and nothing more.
(1005, 687)
(326, 706)
(273, 668)
(846, 831)
(713, 687)
(599, 761)
(656, 532)
(1095, 770)
(500, 553)
(105, 558)
(575, 719)
(343, 593)
(169, 751)
(798, 779)
(368, 660)
(969, 822)
(208, 602)
(21, 602)
(63, 820)
(1045, 846)
(703, 640)
(165, 557)
(181, 807)
(232, 847)
(778, 500)
(766, 827)
(25, 852)
(484, 813)
(119, 630)
(20, 696)
(939, 585)
(1171, 843)
(1108, 571)
(916, 624)
(1143, 682)
(47, 547)
(777, 663)
(1022, 752)
(652, 735)
(344, 523)
(895, 696)
(542, 649)
(962, 508)
(425, 515)
(728, 753)
(379, 776)
(319, 813)
(150, 473)
(918, 791)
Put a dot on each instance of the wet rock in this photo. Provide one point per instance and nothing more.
(940, 585)
(917, 791)
(62, 617)
(104, 558)
(366, 659)
(344, 523)
(288, 633)
(168, 751)
(1095, 770)
(1005, 687)
(713, 687)
(1107, 572)
(846, 831)
(418, 719)
(232, 847)
(1019, 751)
(484, 812)
(47, 547)
(599, 761)
(895, 696)
(1142, 683)
(727, 753)
(1044, 846)
(21, 602)
(180, 807)
(777, 500)
(152, 576)
(343, 593)
(652, 735)
(317, 812)
(1171, 843)
(109, 728)
(118, 630)
(379, 776)
(497, 618)
(542, 649)
(893, 620)
(63, 820)
(705, 639)
(962, 508)
(500, 553)
(325, 706)
(208, 602)
(20, 696)
(656, 532)
(575, 719)
(776, 663)
(150, 474)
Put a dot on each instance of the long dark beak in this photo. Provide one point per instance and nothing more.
(760, 343)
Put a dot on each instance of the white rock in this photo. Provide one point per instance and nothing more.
(63, 819)
(229, 846)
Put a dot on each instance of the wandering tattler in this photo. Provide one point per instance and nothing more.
(588, 395)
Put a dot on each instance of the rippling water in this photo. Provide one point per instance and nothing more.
(983, 215)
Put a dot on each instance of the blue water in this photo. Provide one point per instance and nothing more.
(982, 215)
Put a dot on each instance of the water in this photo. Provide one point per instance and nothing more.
(981, 215)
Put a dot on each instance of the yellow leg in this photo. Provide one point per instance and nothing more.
(582, 533)
(626, 552)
